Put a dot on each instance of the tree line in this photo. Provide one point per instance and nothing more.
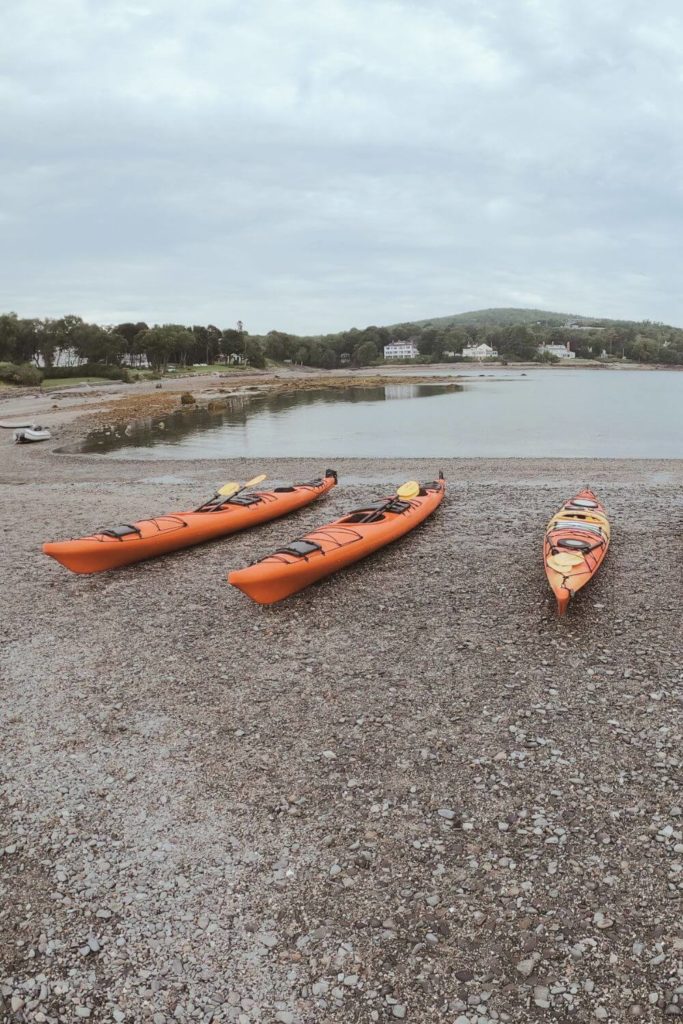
(70, 338)
(51, 342)
(645, 342)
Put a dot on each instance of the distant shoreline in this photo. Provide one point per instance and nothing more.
(563, 364)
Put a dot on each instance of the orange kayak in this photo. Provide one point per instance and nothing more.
(576, 542)
(147, 538)
(332, 547)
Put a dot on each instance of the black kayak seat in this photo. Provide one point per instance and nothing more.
(244, 500)
(119, 532)
(300, 548)
(396, 506)
(362, 514)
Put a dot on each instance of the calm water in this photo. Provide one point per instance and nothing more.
(538, 413)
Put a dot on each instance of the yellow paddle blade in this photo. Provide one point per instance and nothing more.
(231, 488)
(564, 561)
(228, 488)
(411, 489)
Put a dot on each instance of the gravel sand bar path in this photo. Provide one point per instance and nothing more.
(410, 792)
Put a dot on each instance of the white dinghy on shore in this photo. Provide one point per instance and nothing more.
(31, 434)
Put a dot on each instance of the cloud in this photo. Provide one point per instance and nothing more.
(319, 164)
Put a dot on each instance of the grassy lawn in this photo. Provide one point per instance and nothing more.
(212, 368)
(65, 382)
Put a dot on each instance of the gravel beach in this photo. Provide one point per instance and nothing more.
(410, 792)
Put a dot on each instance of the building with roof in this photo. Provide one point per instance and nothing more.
(561, 351)
(482, 351)
(401, 350)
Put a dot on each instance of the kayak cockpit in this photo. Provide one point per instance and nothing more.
(371, 513)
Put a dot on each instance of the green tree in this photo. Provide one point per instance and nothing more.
(18, 338)
(278, 346)
(161, 343)
(328, 359)
(365, 353)
(131, 334)
(232, 342)
(255, 356)
(518, 341)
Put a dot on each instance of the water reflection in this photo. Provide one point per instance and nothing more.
(188, 422)
(536, 413)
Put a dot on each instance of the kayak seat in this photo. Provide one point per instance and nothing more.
(300, 548)
(125, 530)
(583, 503)
(244, 500)
(361, 514)
(283, 490)
(573, 544)
(570, 524)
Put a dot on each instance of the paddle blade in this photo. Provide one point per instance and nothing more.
(232, 488)
(255, 480)
(229, 488)
(410, 489)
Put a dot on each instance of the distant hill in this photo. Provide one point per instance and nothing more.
(503, 317)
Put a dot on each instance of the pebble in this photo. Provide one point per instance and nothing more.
(526, 967)
(542, 996)
(187, 832)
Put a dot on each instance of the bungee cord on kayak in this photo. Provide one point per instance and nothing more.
(328, 549)
(571, 559)
(146, 539)
(576, 539)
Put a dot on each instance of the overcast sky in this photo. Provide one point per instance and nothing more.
(312, 165)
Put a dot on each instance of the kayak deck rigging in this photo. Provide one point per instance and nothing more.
(233, 508)
(576, 542)
(323, 551)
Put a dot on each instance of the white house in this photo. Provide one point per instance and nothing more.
(401, 350)
(482, 351)
(561, 351)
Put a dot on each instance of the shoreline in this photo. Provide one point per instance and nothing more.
(76, 410)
